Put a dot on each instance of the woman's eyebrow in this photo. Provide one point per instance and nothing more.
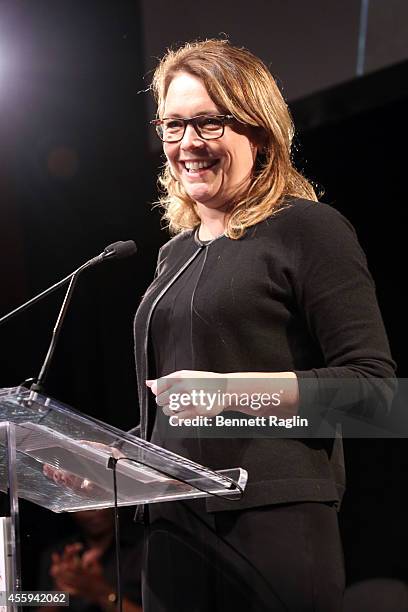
(203, 112)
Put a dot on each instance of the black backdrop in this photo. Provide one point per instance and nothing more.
(75, 176)
(354, 144)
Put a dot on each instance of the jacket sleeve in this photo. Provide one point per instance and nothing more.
(336, 296)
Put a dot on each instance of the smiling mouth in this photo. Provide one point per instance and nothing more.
(196, 166)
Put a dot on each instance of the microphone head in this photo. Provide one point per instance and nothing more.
(119, 250)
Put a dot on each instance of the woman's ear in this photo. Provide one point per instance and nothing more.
(254, 149)
(258, 139)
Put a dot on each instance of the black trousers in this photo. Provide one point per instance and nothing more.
(281, 558)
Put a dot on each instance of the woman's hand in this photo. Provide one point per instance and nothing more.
(188, 393)
(181, 394)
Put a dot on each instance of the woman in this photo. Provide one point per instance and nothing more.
(261, 284)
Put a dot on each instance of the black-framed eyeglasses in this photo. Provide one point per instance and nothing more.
(208, 127)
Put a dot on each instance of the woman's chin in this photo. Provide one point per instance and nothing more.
(199, 193)
(207, 200)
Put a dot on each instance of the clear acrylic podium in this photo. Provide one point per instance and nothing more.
(60, 459)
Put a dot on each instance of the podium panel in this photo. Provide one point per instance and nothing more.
(63, 460)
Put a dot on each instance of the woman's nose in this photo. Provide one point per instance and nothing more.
(191, 138)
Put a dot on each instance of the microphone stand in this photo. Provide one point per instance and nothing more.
(37, 385)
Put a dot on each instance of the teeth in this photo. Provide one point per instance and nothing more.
(190, 165)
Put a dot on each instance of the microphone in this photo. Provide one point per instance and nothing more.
(117, 250)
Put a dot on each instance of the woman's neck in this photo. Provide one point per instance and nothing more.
(212, 224)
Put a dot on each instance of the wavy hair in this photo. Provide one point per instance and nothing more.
(239, 84)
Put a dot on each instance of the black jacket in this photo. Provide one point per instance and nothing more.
(294, 294)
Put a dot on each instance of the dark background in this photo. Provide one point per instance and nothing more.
(78, 172)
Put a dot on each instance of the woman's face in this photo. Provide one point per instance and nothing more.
(230, 158)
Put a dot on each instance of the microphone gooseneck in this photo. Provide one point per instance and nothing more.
(117, 250)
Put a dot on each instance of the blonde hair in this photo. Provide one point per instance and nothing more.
(240, 84)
